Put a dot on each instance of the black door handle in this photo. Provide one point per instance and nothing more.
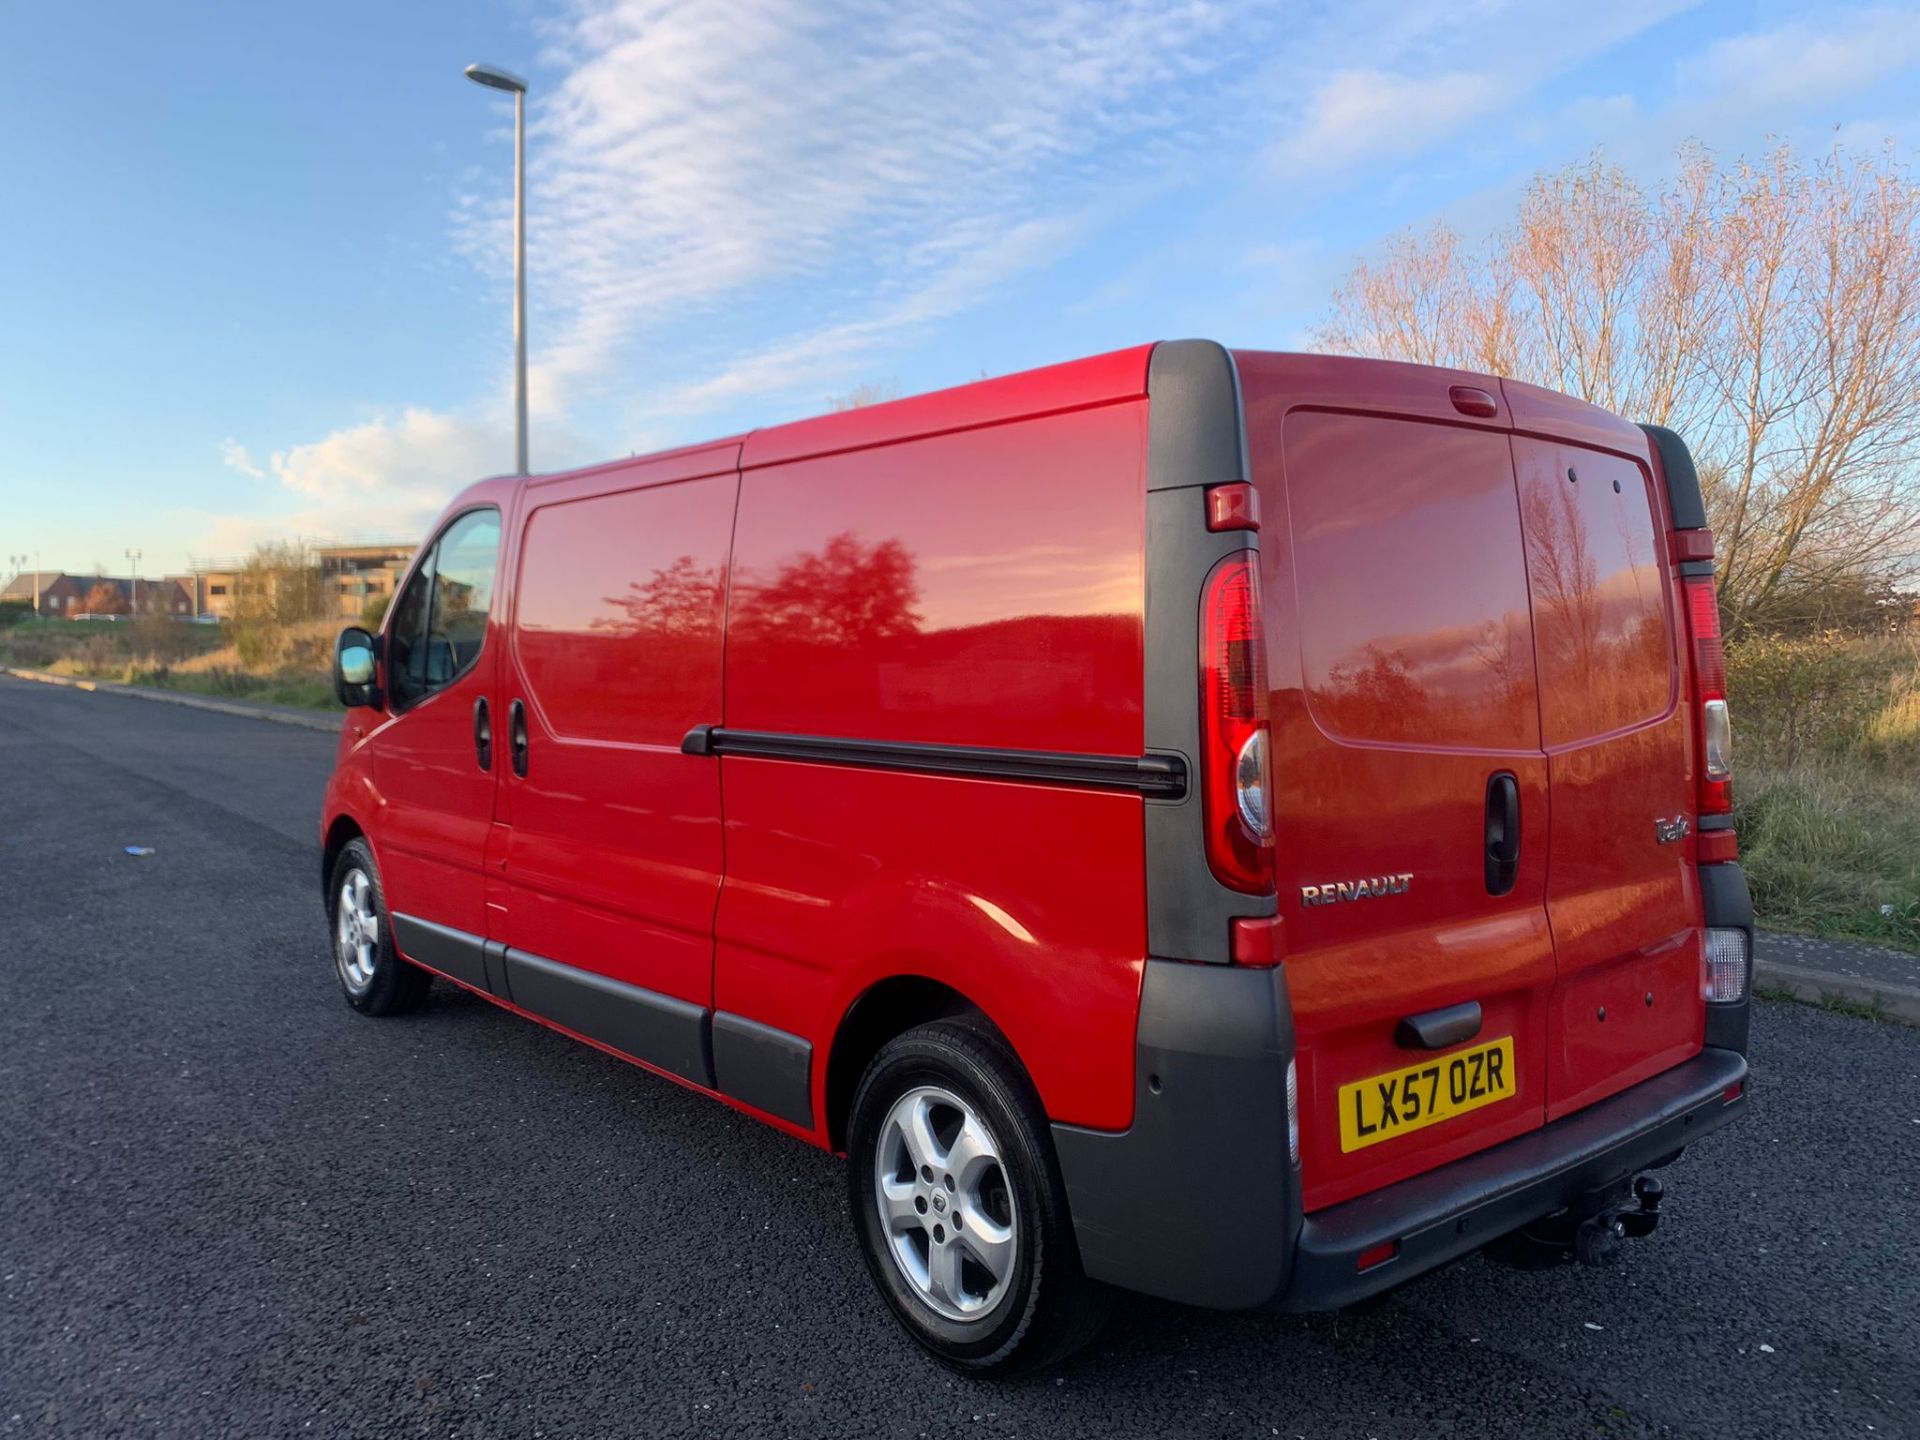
(483, 733)
(1439, 1029)
(1503, 832)
(517, 737)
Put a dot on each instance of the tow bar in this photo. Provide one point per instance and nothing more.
(1589, 1231)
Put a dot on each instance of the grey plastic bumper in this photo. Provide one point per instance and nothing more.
(1198, 1202)
(1443, 1214)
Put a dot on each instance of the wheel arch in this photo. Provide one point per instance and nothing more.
(887, 1008)
(343, 829)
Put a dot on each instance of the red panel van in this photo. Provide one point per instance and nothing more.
(1241, 827)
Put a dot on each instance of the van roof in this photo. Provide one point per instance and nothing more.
(1104, 379)
(1075, 385)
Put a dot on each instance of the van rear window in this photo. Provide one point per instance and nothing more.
(1411, 583)
(1599, 591)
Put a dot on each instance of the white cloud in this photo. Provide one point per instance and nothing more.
(840, 158)
(1742, 93)
(385, 477)
(1796, 63)
(234, 456)
(1360, 115)
(825, 355)
(1386, 82)
(773, 192)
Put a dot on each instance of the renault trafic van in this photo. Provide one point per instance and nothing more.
(1246, 828)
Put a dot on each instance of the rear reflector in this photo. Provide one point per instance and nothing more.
(1233, 507)
(1684, 545)
(1376, 1255)
(1293, 1114)
(1733, 1092)
(1726, 977)
(1258, 940)
(1717, 847)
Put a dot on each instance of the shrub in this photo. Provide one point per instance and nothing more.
(12, 612)
(1893, 735)
(1832, 847)
(375, 611)
(1813, 696)
(161, 638)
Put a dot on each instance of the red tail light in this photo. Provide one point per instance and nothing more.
(1236, 782)
(1710, 694)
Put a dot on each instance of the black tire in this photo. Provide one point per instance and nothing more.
(1048, 1307)
(395, 986)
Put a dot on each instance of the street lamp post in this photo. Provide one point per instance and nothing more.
(133, 560)
(497, 79)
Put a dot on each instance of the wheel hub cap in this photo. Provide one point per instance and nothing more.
(356, 932)
(946, 1204)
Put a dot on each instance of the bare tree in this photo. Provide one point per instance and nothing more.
(1769, 312)
(869, 392)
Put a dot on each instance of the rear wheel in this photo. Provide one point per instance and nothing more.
(375, 980)
(958, 1203)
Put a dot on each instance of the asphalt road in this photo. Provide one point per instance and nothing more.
(233, 1207)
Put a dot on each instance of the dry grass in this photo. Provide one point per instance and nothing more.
(1827, 783)
(291, 664)
(1833, 847)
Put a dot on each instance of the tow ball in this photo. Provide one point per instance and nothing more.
(1596, 1240)
(1590, 1231)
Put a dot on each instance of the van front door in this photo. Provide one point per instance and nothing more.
(436, 783)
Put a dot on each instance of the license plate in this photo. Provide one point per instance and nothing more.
(1383, 1107)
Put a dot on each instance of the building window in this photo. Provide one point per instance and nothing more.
(216, 589)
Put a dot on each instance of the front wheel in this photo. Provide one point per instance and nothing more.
(373, 977)
(959, 1207)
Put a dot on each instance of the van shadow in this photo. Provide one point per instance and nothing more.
(1170, 1364)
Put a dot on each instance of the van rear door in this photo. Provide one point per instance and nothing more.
(1622, 894)
(1406, 737)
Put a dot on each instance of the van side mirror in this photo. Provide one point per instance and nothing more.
(355, 657)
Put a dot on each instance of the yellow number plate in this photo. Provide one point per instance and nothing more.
(1382, 1107)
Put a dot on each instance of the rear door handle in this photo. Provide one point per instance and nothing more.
(1437, 1029)
(482, 734)
(517, 737)
(1502, 832)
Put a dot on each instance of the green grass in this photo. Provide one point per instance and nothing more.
(167, 655)
(1836, 1004)
(1830, 1001)
(1832, 847)
(303, 691)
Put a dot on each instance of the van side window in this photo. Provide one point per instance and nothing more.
(440, 620)
(463, 569)
(619, 610)
(406, 638)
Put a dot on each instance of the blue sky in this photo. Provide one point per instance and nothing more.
(255, 257)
